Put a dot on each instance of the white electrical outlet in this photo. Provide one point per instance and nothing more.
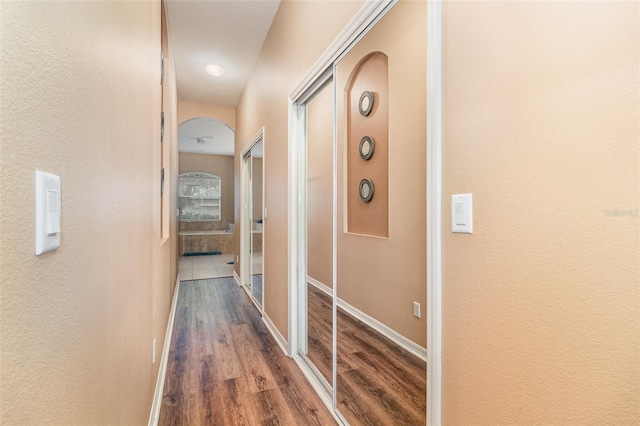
(416, 309)
(237, 260)
(153, 358)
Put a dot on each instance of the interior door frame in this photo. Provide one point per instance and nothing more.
(245, 231)
(434, 212)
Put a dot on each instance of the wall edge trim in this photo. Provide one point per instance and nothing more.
(434, 212)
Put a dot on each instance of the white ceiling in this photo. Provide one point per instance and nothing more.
(224, 32)
(205, 135)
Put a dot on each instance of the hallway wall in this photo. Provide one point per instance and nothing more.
(81, 98)
(541, 303)
(188, 110)
(300, 33)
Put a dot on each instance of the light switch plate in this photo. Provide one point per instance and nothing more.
(47, 212)
(462, 213)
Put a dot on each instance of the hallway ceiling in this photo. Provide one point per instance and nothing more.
(223, 32)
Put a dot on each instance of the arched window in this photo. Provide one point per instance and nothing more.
(198, 197)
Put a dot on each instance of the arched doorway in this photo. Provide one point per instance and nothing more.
(206, 242)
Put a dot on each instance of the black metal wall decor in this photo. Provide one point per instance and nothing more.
(161, 126)
(161, 182)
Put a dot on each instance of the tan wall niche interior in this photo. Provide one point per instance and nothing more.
(368, 218)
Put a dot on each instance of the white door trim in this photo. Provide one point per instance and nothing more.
(245, 240)
(434, 210)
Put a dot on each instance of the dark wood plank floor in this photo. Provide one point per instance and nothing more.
(319, 331)
(378, 382)
(224, 367)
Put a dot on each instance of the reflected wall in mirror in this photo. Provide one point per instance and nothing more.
(381, 371)
(320, 232)
(256, 177)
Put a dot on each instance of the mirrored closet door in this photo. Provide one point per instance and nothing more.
(319, 232)
(252, 215)
(361, 284)
(256, 179)
(381, 232)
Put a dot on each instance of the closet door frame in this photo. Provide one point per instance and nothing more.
(245, 215)
(371, 12)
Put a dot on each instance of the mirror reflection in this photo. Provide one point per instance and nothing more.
(381, 247)
(256, 174)
(320, 232)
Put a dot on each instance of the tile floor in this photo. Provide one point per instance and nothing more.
(202, 267)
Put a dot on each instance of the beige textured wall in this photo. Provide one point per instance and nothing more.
(81, 99)
(320, 187)
(187, 110)
(541, 303)
(219, 165)
(384, 276)
(301, 31)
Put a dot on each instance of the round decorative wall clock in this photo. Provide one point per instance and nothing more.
(365, 105)
(366, 190)
(367, 147)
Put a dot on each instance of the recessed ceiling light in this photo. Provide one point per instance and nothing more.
(214, 70)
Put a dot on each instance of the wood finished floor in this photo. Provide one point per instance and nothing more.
(224, 367)
(256, 287)
(379, 383)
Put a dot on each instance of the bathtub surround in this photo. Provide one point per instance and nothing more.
(205, 236)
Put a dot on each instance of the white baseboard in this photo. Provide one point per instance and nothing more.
(236, 277)
(397, 338)
(281, 341)
(320, 286)
(162, 370)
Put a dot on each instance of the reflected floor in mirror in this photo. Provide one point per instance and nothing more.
(319, 331)
(379, 383)
(256, 288)
(225, 368)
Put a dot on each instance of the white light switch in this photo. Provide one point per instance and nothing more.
(460, 219)
(47, 212)
(462, 213)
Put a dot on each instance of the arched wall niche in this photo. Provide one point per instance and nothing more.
(367, 97)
